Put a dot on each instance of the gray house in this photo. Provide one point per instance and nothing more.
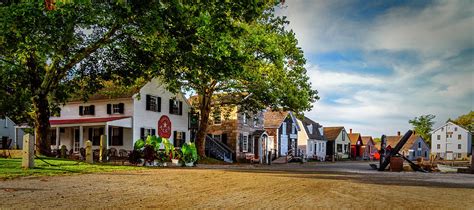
(9, 131)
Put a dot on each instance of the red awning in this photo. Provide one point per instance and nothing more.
(84, 120)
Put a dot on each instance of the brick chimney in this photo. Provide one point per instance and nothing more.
(398, 133)
(350, 131)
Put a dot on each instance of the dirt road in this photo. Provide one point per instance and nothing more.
(309, 185)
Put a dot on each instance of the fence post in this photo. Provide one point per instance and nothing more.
(89, 157)
(28, 160)
(103, 148)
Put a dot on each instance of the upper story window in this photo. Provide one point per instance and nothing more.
(459, 146)
(439, 137)
(438, 146)
(153, 103)
(442, 129)
(455, 128)
(255, 121)
(244, 118)
(343, 136)
(216, 115)
(245, 143)
(87, 110)
(176, 107)
(293, 128)
(115, 108)
(419, 144)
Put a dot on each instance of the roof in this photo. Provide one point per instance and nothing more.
(314, 134)
(112, 90)
(354, 137)
(366, 139)
(85, 120)
(378, 145)
(392, 141)
(331, 133)
(273, 119)
(451, 122)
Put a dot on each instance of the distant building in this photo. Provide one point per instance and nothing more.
(357, 146)
(369, 148)
(338, 144)
(10, 133)
(311, 139)
(414, 148)
(451, 142)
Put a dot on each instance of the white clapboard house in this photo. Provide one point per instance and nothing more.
(451, 142)
(123, 118)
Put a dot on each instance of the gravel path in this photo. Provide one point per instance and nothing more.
(310, 185)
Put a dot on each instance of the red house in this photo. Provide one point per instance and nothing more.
(357, 149)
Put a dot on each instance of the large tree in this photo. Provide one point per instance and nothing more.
(238, 50)
(467, 121)
(423, 125)
(50, 52)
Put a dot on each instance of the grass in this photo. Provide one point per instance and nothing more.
(11, 168)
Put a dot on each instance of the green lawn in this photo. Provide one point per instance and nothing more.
(11, 168)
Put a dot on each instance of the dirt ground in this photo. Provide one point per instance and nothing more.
(310, 185)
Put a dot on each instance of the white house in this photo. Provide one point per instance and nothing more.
(125, 118)
(311, 139)
(451, 142)
(339, 144)
(9, 130)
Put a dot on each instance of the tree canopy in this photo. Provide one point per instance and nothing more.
(466, 121)
(423, 125)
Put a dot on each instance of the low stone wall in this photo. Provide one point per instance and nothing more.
(14, 153)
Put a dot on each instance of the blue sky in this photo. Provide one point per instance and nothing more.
(378, 64)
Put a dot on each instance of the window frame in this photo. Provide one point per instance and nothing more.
(245, 143)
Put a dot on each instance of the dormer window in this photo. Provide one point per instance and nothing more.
(310, 128)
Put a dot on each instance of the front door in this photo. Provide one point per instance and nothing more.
(76, 140)
(449, 155)
(283, 145)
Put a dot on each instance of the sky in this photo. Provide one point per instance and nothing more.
(378, 64)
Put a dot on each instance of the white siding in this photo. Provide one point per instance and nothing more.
(449, 141)
(149, 119)
(71, 110)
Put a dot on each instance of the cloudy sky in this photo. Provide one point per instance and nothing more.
(377, 64)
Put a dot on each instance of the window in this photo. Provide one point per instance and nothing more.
(438, 146)
(345, 148)
(439, 137)
(293, 128)
(419, 144)
(245, 143)
(459, 146)
(115, 108)
(455, 128)
(255, 121)
(244, 118)
(315, 147)
(116, 136)
(339, 147)
(442, 129)
(217, 137)
(459, 136)
(217, 116)
(418, 153)
(179, 138)
(426, 154)
(145, 132)
(176, 107)
(459, 155)
(94, 135)
(343, 136)
(87, 110)
(53, 137)
(153, 103)
(310, 149)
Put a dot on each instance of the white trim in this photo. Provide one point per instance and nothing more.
(444, 125)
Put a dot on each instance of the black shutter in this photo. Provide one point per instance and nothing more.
(180, 108)
(249, 143)
(92, 110)
(121, 108)
(142, 133)
(120, 137)
(224, 138)
(153, 133)
(171, 106)
(90, 135)
(81, 110)
(175, 140)
(111, 141)
(183, 137)
(148, 98)
(109, 108)
(241, 142)
(159, 104)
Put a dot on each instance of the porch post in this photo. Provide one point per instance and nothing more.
(15, 137)
(57, 137)
(107, 135)
(81, 136)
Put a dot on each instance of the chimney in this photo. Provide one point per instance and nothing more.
(398, 133)
(350, 131)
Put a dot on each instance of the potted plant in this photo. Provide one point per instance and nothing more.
(162, 157)
(136, 155)
(177, 156)
(189, 154)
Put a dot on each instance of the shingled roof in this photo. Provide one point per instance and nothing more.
(367, 139)
(354, 137)
(314, 133)
(331, 133)
(392, 141)
(273, 119)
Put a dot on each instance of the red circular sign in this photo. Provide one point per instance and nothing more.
(164, 127)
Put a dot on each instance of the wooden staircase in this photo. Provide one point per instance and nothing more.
(218, 150)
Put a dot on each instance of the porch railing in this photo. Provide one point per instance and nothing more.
(218, 150)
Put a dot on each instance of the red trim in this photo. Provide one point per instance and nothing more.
(84, 120)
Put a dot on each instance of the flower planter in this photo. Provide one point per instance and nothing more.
(175, 162)
(189, 164)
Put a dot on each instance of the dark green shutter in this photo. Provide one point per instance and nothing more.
(81, 110)
(92, 110)
(109, 108)
(241, 142)
(180, 108)
(121, 108)
(159, 104)
(147, 106)
(171, 106)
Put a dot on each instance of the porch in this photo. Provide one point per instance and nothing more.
(74, 133)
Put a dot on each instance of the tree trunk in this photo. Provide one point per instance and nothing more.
(41, 123)
(205, 110)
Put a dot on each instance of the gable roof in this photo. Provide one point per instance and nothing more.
(392, 141)
(273, 119)
(450, 122)
(314, 133)
(367, 139)
(354, 137)
(331, 133)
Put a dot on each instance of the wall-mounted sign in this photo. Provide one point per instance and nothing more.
(164, 127)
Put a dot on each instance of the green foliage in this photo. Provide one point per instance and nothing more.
(139, 144)
(154, 141)
(376, 140)
(190, 154)
(466, 121)
(423, 125)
